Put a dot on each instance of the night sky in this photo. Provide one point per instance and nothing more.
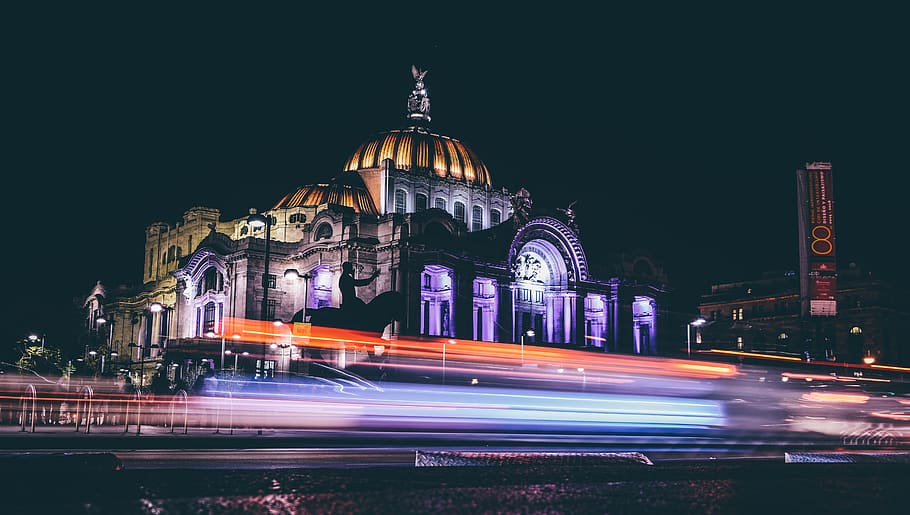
(677, 132)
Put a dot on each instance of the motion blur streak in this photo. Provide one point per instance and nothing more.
(835, 397)
(419, 407)
(488, 353)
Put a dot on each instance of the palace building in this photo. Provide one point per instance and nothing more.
(471, 260)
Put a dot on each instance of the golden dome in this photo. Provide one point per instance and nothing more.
(416, 149)
(346, 190)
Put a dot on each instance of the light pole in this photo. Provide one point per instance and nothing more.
(292, 272)
(236, 356)
(34, 338)
(695, 323)
(110, 341)
(256, 220)
(140, 349)
(450, 342)
(530, 333)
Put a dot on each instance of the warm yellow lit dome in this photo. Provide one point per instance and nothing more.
(416, 149)
(346, 190)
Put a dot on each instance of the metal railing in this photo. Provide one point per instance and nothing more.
(180, 396)
(23, 403)
(137, 399)
(84, 408)
(230, 399)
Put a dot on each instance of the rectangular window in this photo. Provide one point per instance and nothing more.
(459, 212)
(476, 218)
(271, 281)
(426, 317)
(270, 312)
(421, 202)
(737, 313)
(440, 203)
(401, 201)
(208, 324)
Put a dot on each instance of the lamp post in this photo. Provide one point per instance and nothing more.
(34, 338)
(140, 349)
(110, 341)
(256, 220)
(282, 346)
(530, 333)
(450, 342)
(236, 356)
(695, 323)
(306, 284)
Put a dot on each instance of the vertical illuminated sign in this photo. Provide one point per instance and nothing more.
(818, 267)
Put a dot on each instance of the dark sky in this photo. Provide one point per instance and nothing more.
(679, 132)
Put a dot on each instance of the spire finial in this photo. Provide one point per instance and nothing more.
(419, 99)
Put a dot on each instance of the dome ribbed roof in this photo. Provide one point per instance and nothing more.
(416, 149)
(346, 190)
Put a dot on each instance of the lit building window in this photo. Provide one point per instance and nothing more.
(737, 313)
(476, 218)
(401, 201)
(739, 342)
(856, 330)
(495, 217)
(459, 212)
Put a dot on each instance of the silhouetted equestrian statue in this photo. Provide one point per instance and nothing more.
(354, 313)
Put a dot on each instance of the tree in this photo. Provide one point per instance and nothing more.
(46, 361)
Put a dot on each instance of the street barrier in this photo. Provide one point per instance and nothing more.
(137, 399)
(23, 403)
(84, 408)
(180, 396)
(231, 411)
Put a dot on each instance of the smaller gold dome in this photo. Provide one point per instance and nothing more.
(346, 190)
(416, 149)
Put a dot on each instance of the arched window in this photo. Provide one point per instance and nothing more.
(495, 217)
(244, 230)
(324, 231)
(476, 218)
(459, 211)
(401, 201)
(421, 202)
(856, 330)
(440, 203)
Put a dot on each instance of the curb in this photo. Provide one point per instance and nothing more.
(847, 457)
(475, 459)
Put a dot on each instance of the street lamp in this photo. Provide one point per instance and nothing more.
(110, 342)
(34, 338)
(695, 323)
(306, 283)
(236, 356)
(140, 350)
(450, 342)
(530, 334)
(256, 220)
